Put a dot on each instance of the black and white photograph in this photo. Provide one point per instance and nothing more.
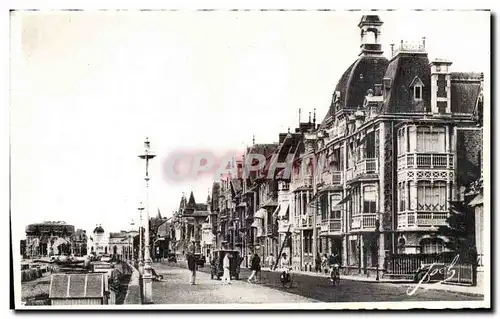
(250, 159)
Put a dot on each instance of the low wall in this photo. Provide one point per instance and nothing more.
(133, 296)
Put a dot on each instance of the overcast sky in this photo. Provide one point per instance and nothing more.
(87, 88)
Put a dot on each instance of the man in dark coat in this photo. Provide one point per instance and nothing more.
(255, 266)
(192, 268)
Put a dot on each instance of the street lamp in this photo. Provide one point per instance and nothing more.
(377, 235)
(141, 256)
(130, 248)
(147, 276)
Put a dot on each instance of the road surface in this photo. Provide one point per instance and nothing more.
(305, 289)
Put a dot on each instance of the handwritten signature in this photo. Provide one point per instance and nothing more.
(430, 273)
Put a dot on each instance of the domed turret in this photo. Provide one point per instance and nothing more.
(98, 230)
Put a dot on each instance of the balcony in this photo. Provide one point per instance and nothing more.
(331, 178)
(422, 160)
(412, 219)
(331, 226)
(367, 166)
(301, 181)
(306, 222)
(364, 222)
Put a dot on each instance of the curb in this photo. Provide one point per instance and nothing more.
(133, 296)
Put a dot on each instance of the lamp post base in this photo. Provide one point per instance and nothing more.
(141, 267)
(147, 285)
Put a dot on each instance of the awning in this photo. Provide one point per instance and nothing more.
(242, 204)
(251, 189)
(344, 200)
(284, 210)
(478, 200)
(313, 200)
(270, 203)
(257, 224)
(275, 213)
(261, 213)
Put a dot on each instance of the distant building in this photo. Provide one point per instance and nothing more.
(120, 244)
(98, 241)
(49, 238)
(79, 243)
(187, 222)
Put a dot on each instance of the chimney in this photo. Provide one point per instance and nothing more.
(378, 89)
(386, 82)
(440, 86)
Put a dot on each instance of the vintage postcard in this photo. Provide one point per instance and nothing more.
(250, 159)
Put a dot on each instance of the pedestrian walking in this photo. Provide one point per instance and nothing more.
(226, 276)
(255, 267)
(317, 262)
(192, 268)
(324, 263)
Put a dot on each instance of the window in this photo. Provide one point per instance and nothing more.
(355, 201)
(431, 197)
(417, 92)
(430, 139)
(402, 197)
(335, 210)
(431, 246)
(402, 140)
(369, 200)
(411, 194)
(324, 207)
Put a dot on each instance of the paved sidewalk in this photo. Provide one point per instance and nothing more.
(175, 289)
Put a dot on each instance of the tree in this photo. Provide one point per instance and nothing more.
(460, 230)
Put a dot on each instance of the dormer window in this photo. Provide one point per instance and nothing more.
(417, 86)
(417, 93)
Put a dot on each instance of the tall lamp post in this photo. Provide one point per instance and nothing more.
(377, 238)
(141, 256)
(131, 243)
(147, 276)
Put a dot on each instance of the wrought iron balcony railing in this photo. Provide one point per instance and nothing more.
(412, 219)
(364, 222)
(331, 225)
(425, 160)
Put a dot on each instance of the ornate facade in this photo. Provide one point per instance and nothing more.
(187, 225)
(400, 141)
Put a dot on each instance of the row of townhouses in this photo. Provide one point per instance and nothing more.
(402, 139)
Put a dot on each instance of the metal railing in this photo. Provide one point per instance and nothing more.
(425, 160)
(301, 181)
(364, 221)
(331, 225)
(367, 166)
(422, 219)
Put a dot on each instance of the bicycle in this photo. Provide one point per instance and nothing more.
(335, 274)
(286, 279)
